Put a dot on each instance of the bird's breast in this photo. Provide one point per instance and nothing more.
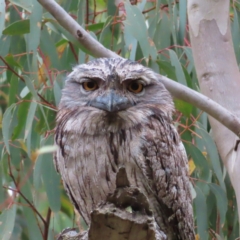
(90, 165)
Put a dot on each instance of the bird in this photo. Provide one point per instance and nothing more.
(116, 113)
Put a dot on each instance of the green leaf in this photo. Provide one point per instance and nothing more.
(32, 224)
(21, 116)
(33, 38)
(13, 90)
(111, 8)
(69, 37)
(57, 91)
(29, 123)
(174, 23)
(7, 220)
(201, 213)
(49, 48)
(30, 117)
(106, 34)
(141, 4)
(182, 20)
(178, 68)
(184, 107)
(80, 13)
(35, 95)
(152, 26)
(188, 52)
(162, 37)
(37, 173)
(222, 202)
(5, 43)
(6, 123)
(18, 28)
(166, 69)
(2, 15)
(202, 166)
(31, 87)
(51, 182)
(131, 44)
(212, 152)
(136, 24)
(95, 27)
(25, 4)
(3, 194)
(25, 91)
(11, 61)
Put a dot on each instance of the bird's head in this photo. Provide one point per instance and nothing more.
(109, 94)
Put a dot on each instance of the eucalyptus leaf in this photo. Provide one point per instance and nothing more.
(17, 28)
(221, 199)
(6, 123)
(51, 182)
(7, 219)
(201, 211)
(2, 15)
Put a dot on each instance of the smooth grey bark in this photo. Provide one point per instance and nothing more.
(218, 74)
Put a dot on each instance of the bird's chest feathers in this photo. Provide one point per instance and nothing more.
(99, 157)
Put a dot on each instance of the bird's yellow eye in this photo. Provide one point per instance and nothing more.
(90, 86)
(135, 87)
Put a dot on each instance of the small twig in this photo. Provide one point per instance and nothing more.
(95, 7)
(149, 10)
(199, 180)
(23, 80)
(46, 102)
(11, 69)
(87, 12)
(73, 51)
(46, 229)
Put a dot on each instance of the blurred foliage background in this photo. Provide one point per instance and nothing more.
(36, 54)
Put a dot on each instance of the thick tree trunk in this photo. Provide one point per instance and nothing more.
(218, 73)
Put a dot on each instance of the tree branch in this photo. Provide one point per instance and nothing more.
(177, 90)
(204, 103)
(67, 22)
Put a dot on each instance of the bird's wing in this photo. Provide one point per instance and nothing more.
(166, 166)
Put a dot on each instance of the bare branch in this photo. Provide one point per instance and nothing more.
(177, 90)
(204, 103)
(46, 227)
(67, 22)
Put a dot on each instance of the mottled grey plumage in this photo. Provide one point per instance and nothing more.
(105, 128)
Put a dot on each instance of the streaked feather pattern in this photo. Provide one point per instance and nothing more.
(93, 144)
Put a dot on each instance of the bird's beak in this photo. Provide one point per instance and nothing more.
(111, 102)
